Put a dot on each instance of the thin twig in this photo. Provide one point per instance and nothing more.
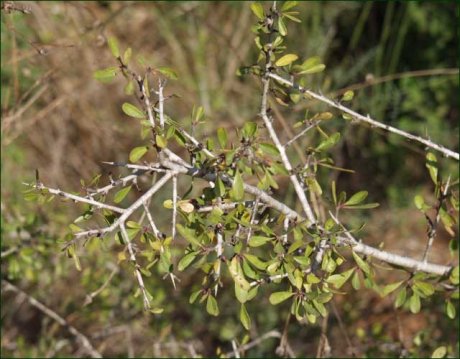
(174, 214)
(155, 230)
(92, 295)
(253, 218)
(434, 225)
(127, 212)
(76, 198)
(256, 342)
(367, 119)
(137, 271)
(89, 348)
(300, 134)
(236, 353)
(161, 103)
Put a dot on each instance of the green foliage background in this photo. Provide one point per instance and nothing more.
(73, 123)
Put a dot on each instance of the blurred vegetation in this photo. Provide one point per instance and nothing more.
(399, 57)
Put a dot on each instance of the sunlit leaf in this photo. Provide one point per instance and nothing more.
(238, 187)
(132, 110)
(389, 288)
(113, 44)
(168, 72)
(105, 75)
(257, 241)
(211, 306)
(244, 317)
(137, 153)
(362, 264)
(414, 303)
(348, 96)
(357, 198)
(186, 260)
(121, 194)
(439, 352)
(288, 5)
(222, 137)
(278, 297)
(286, 60)
(258, 10)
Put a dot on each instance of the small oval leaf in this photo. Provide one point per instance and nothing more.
(132, 110)
(137, 153)
(286, 60)
(278, 297)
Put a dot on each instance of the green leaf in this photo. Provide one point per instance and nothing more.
(211, 306)
(355, 282)
(425, 287)
(255, 261)
(133, 224)
(244, 317)
(348, 96)
(105, 75)
(137, 153)
(390, 288)
(121, 194)
(439, 352)
(419, 202)
(237, 187)
(454, 276)
(156, 310)
(113, 44)
(329, 142)
(168, 72)
(334, 192)
(340, 279)
(357, 198)
(257, 241)
(220, 188)
(258, 10)
(278, 297)
(269, 149)
(194, 295)
(320, 308)
(161, 141)
(450, 310)
(401, 298)
(363, 206)
(286, 60)
(282, 27)
(291, 17)
(222, 137)
(432, 165)
(249, 129)
(414, 303)
(312, 279)
(362, 264)
(241, 293)
(186, 260)
(127, 55)
(313, 70)
(132, 110)
(189, 235)
(288, 5)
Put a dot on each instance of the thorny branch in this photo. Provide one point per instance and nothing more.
(366, 119)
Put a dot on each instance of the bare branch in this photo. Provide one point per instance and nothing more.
(76, 198)
(367, 119)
